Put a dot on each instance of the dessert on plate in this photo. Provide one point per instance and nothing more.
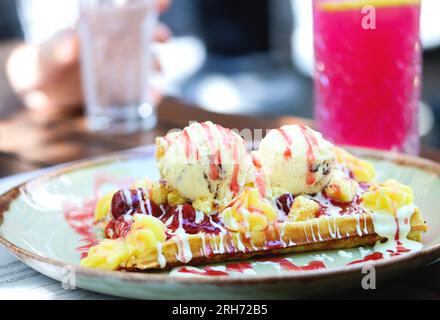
(216, 201)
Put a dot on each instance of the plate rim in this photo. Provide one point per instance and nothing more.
(9, 196)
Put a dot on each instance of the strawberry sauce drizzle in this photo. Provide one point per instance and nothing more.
(259, 176)
(235, 188)
(290, 266)
(82, 219)
(188, 144)
(229, 139)
(397, 235)
(287, 154)
(288, 139)
(399, 246)
(206, 271)
(209, 271)
(371, 257)
(399, 250)
(241, 267)
(311, 141)
(215, 158)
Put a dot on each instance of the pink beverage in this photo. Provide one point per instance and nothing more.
(368, 80)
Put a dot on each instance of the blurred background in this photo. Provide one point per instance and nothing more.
(233, 56)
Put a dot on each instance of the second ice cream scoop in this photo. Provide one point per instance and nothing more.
(296, 158)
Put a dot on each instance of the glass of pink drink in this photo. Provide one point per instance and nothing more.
(368, 72)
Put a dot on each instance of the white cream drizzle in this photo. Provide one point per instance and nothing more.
(184, 253)
(331, 232)
(179, 216)
(164, 212)
(386, 225)
(199, 216)
(142, 203)
(254, 248)
(311, 229)
(305, 232)
(336, 228)
(319, 231)
(358, 225)
(128, 217)
(213, 243)
(222, 230)
(160, 257)
(240, 246)
(364, 252)
(169, 221)
(221, 245)
(127, 197)
(282, 231)
(365, 224)
(345, 254)
(338, 234)
(330, 209)
(322, 257)
(203, 248)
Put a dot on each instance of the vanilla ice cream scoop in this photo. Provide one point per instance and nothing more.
(296, 158)
(204, 161)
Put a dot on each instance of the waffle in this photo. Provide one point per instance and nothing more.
(324, 233)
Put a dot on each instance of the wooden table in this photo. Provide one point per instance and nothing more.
(28, 143)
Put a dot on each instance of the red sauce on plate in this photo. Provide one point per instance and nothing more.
(371, 257)
(290, 266)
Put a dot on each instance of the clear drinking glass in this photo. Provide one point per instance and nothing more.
(116, 54)
(368, 72)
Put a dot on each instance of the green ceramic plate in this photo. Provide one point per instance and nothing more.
(47, 221)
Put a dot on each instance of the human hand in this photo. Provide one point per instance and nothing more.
(47, 76)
